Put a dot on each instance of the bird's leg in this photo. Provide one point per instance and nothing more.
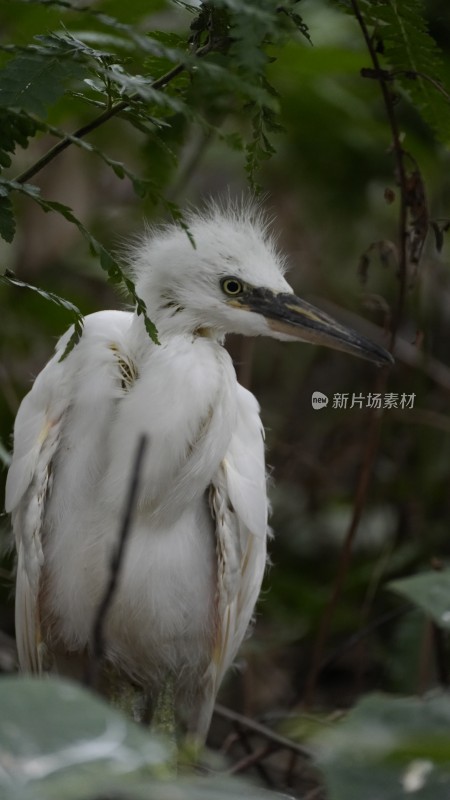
(124, 695)
(129, 699)
(163, 719)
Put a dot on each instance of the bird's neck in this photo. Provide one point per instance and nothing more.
(172, 327)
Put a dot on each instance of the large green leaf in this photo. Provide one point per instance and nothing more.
(60, 742)
(389, 749)
(430, 591)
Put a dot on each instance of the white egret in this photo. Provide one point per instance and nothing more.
(196, 554)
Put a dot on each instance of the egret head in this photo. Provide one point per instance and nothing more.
(232, 281)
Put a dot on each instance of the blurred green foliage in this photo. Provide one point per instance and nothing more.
(88, 749)
(402, 748)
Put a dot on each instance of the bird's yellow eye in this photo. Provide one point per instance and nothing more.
(232, 286)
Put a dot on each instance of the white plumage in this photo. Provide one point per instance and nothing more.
(196, 555)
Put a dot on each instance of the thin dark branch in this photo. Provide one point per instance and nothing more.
(190, 165)
(92, 126)
(290, 770)
(375, 418)
(440, 655)
(117, 559)
(400, 166)
(106, 115)
(358, 637)
(231, 739)
(254, 758)
(364, 632)
(405, 351)
(425, 663)
(262, 730)
(260, 768)
(314, 794)
(367, 461)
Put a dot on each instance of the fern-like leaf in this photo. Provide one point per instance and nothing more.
(413, 57)
(107, 262)
(78, 320)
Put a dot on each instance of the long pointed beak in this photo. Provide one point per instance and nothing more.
(291, 317)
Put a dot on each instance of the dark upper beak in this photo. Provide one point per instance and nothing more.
(289, 315)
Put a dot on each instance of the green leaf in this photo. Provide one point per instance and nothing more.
(16, 128)
(430, 591)
(224, 78)
(296, 19)
(143, 187)
(140, 86)
(58, 740)
(107, 262)
(34, 82)
(178, 217)
(141, 309)
(10, 279)
(260, 148)
(70, 46)
(389, 748)
(413, 56)
(74, 338)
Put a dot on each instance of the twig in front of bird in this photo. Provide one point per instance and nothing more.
(117, 558)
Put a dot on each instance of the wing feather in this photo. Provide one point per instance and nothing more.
(36, 437)
(38, 431)
(238, 501)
